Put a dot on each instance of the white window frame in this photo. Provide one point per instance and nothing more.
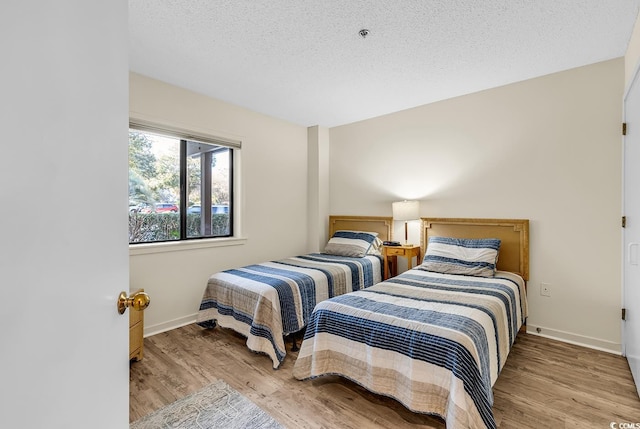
(206, 242)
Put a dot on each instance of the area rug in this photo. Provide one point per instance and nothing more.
(215, 406)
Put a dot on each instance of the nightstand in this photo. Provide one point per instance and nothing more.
(391, 253)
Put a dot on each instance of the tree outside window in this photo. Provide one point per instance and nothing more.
(178, 188)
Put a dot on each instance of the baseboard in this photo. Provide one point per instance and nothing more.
(567, 337)
(578, 340)
(169, 325)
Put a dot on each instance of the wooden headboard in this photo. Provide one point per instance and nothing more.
(513, 233)
(380, 224)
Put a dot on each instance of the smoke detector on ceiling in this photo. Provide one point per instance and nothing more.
(363, 33)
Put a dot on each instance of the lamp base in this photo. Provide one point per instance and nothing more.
(406, 234)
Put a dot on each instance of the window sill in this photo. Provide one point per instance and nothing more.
(177, 246)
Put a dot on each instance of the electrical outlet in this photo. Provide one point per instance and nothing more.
(545, 289)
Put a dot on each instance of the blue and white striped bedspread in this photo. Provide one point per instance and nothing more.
(266, 301)
(435, 342)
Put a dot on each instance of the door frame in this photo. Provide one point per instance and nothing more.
(627, 92)
(634, 82)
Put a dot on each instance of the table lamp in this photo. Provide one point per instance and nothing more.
(406, 211)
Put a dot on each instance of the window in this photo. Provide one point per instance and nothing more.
(180, 186)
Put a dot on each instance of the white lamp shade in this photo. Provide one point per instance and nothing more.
(406, 210)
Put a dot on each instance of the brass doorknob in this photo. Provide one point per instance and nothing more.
(138, 301)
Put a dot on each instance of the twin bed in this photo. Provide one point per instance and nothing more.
(435, 337)
(268, 301)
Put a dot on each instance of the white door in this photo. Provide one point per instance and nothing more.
(63, 216)
(631, 198)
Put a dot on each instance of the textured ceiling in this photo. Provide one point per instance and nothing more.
(304, 61)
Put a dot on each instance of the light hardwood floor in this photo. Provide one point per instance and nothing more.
(544, 384)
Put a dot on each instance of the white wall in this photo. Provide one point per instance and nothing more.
(272, 198)
(546, 149)
(318, 187)
(632, 55)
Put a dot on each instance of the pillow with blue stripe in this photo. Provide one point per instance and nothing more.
(376, 247)
(471, 257)
(350, 243)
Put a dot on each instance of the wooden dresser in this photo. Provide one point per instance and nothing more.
(136, 328)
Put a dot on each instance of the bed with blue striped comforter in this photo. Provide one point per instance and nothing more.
(435, 342)
(267, 301)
